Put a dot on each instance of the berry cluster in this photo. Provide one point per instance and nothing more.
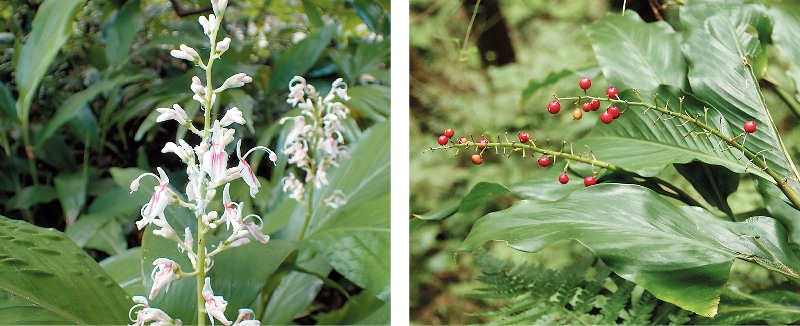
(611, 113)
(593, 104)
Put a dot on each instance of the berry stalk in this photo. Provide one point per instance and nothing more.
(779, 181)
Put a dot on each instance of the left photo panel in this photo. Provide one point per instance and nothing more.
(171, 162)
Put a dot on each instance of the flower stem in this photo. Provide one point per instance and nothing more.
(201, 270)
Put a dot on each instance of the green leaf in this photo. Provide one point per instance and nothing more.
(374, 101)
(781, 210)
(7, 104)
(51, 28)
(739, 308)
(362, 309)
(299, 59)
(313, 13)
(634, 143)
(354, 238)
(67, 110)
(680, 254)
(98, 231)
(784, 35)
(71, 190)
(30, 196)
(119, 35)
(651, 52)
(718, 44)
(48, 280)
(535, 85)
(374, 15)
(713, 182)
(125, 269)
(295, 291)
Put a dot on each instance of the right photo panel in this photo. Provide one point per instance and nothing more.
(604, 162)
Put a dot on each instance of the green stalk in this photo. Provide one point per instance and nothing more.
(783, 185)
(786, 96)
(201, 270)
(29, 151)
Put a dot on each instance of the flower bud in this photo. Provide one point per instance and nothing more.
(176, 113)
(233, 115)
(135, 185)
(197, 86)
(209, 24)
(223, 45)
(219, 6)
(237, 80)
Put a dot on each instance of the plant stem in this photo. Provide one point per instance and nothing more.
(308, 211)
(201, 270)
(29, 151)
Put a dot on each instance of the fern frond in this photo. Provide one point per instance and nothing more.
(585, 293)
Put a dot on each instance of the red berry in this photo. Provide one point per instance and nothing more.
(749, 127)
(554, 107)
(589, 181)
(462, 140)
(477, 159)
(612, 93)
(585, 83)
(615, 112)
(595, 105)
(482, 141)
(523, 137)
(443, 140)
(587, 106)
(544, 161)
(563, 179)
(449, 132)
(577, 114)
(606, 117)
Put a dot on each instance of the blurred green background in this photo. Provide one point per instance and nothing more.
(452, 88)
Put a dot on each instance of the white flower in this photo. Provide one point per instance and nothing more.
(184, 152)
(147, 314)
(237, 80)
(233, 115)
(244, 168)
(244, 318)
(223, 45)
(293, 186)
(158, 202)
(162, 275)
(197, 86)
(209, 24)
(215, 160)
(176, 113)
(186, 53)
(219, 6)
(255, 229)
(215, 305)
(339, 88)
(233, 211)
(336, 200)
(165, 230)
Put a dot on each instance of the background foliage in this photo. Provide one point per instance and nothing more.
(79, 84)
(553, 52)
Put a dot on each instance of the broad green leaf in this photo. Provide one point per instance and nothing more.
(717, 49)
(98, 231)
(535, 85)
(366, 58)
(30, 196)
(680, 254)
(354, 238)
(635, 54)
(645, 144)
(73, 103)
(713, 182)
(299, 59)
(295, 291)
(120, 33)
(374, 15)
(125, 269)
(7, 104)
(48, 280)
(373, 101)
(361, 309)
(781, 210)
(540, 187)
(51, 28)
(313, 13)
(71, 190)
(739, 308)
